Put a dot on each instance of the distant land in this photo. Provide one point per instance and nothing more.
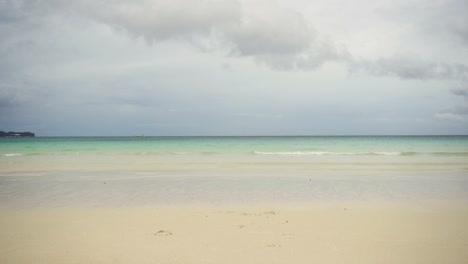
(12, 134)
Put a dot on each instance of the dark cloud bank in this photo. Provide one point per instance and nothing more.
(268, 33)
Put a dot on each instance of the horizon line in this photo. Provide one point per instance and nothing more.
(318, 135)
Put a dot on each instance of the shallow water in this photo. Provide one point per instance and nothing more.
(37, 172)
(283, 146)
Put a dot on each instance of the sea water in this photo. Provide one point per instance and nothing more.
(145, 170)
(318, 145)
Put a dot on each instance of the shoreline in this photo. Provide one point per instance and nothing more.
(158, 188)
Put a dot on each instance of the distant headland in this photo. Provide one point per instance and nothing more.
(12, 134)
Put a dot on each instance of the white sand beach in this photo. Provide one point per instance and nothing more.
(326, 232)
(361, 200)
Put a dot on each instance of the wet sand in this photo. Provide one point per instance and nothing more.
(316, 232)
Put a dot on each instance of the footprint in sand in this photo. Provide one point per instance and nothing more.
(273, 245)
(259, 214)
(247, 214)
(163, 233)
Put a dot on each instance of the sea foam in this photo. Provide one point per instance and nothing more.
(12, 154)
(321, 153)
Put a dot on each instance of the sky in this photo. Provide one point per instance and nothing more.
(234, 67)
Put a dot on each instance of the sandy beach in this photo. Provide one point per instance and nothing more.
(327, 200)
(326, 232)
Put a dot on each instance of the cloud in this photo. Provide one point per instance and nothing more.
(265, 31)
(412, 67)
(18, 10)
(461, 92)
(450, 117)
(259, 115)
(11, 96)
(88, 68)
(270, 30)
(439, 21)
(457, 113)
(270, 34)
(427, 40)
(158, 20)
(7, 100)
(23, 93)
(451, 16)
(279, 37)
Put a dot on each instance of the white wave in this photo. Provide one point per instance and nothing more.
(290, 153)
(12, 154)
(320, 153)
(145, 153)
(386, 153)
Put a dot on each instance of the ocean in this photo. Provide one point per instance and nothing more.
(100, 171)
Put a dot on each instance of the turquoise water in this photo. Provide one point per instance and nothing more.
(285, 146)
(129, 171)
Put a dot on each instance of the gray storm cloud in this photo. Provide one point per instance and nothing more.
(276, 36)
(412, 67)
(15, 10)
(444, 20)
(269, 33)
(280, 38)
(461, 92)
(76, 60)
(458, 112)
(163, 20)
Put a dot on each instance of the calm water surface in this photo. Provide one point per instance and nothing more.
(127, 171)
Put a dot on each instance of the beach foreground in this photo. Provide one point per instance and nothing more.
(239, 200)
(321, 232)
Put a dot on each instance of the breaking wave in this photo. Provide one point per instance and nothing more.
(384, 153)
(12, 154)
(321, 153)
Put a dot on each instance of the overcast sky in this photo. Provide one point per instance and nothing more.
(234, 67)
